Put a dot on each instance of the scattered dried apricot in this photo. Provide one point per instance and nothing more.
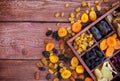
(66, 74)
(74, 62)
(84, 18)
(76, 27)
(103, 44)
(80, 69)
(62, 32)
(49, 46)
(54, 58)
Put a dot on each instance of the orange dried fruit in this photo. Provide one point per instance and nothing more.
(62, 45)
(72, 79)
(81, 76)
(37, 75)
(111, 41)
(84, 18)
(49, 46)
(54, 58)
(80, 69)
(39, 64)
(55, 79)
(103, 44)
(65, 74)
(62, 32)
(117, 46)
(109, 51)
(88, 79)
(76, 27)
(92, 15)
(74, 62)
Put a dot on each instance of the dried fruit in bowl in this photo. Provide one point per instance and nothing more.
(103, 44)
(111, 42)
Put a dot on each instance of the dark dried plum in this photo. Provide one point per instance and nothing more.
(42, 68)
(103, 27)
(86, 24)
(97, 59)
(55, 51)
(46, 54)
(55, 35)
(48, 77)
(99, 53)
(96, 33)
(66, 59)
(58, 68)
(49, 32)
(92, 57)
(77, 79)
(88, 63)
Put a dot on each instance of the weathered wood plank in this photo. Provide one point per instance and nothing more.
(19, 70)
(39, 10)
(24, 40)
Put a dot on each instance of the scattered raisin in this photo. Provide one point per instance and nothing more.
(77, 79)
(46, 54)
(42, 68)
(61, 56)
(55, 51)
(49, 32)
(48, 77)
(59, 76)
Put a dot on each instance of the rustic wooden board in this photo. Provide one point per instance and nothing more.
(39, 10)
(24, 40)
(19, 70)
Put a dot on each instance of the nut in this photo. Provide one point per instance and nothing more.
(37, 75)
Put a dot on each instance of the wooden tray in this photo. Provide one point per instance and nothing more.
(69, 42)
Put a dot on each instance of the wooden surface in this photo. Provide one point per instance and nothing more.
(23, 24)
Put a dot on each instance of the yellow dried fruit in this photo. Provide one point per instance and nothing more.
(83, 4)
(92, 15)
(105, 1)
(81, 76)
(44, 61)
(54, 58)
(98, 74)
(66, 74)
(62, 14)
(77, 9)
(80, 69)
(106, 8)
(84, 18)
(62, 32)
(51, 65)
(89, 5)
(72, 15)
(103, 44)
(58, 24)
(57, 14)
(51, 71)
(98, 8)
(77, 15)
(97, 2)
(67, 5)
(115, 4)
(74, 61)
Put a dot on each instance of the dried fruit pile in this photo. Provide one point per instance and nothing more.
(93, 58)
(110, 45)
(83, 42)
(56, 61)
(104, 73)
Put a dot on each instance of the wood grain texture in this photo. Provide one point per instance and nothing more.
(24, 40)
(20, 70)
(40, 10)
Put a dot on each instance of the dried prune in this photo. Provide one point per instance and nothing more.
(98, 13)
(55, 51)
(66, 59)
(49, 32)
(58, 68)
(96, 33)
(55, 35)
(103, 27)
(86, 24)
(48, 77)
(42, 68)
(46, 54)
(97, 59)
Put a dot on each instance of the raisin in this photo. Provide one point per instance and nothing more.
(55, 51)
(59, 76)
(58, 68)
(97, 59)
(46, 54)
(66, 59)
(98, 13)
(48, 77)
(86, 24)
(77, 79)
(49, 32)
(42, 68)
(61, 56)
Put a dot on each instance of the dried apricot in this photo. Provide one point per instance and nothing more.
(92, 15)
(103, 44)
(54, 58)
(88, 79)
(66, 74)
(111, 41)
(62, 32)
(109, 51)
(74, 62)
(76, 27)
(49, 46)
(74, 74)
(80, 69)
(117, 46)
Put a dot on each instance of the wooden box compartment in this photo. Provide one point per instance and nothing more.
(95, 45)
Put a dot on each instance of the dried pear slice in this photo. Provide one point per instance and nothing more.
(103, 79)
(98, 74)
